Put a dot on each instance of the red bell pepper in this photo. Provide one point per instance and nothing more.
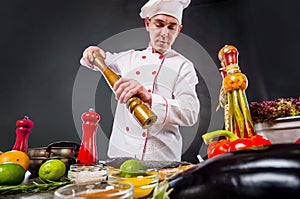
(231, 142)
(217, 147)
(298, 141)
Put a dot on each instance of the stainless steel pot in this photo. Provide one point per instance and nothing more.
(38, 152)
(63, 149)
(35, 163)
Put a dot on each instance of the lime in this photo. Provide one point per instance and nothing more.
(11, 173)
(132, 168)
(52, 170)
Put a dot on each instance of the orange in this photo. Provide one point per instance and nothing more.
(16, 156)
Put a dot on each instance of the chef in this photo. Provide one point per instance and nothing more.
(163, 78)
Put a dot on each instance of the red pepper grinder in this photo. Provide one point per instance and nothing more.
(22, 133)
(88, 149)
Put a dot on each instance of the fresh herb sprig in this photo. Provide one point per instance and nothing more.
(33, 187)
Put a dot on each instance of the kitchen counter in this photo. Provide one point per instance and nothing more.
(40, 195)
(45, 195)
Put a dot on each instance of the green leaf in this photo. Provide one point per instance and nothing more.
(161, 191)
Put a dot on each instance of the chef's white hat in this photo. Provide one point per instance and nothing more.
(173, 8)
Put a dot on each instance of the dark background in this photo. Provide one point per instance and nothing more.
(42, 42)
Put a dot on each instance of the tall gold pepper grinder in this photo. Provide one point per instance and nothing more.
(140, 111)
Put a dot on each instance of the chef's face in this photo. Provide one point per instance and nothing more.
(163, 30)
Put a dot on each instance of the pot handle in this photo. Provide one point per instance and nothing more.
(63, 144)
(73, 160)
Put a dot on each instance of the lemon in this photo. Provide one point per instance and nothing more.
(11, 173)
(52, 170)
(132, 168)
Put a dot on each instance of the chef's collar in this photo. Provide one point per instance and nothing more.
(166, 53)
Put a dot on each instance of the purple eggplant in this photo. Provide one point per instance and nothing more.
(261, 172)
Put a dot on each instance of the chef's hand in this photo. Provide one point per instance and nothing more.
(126, 88)
(88, 58)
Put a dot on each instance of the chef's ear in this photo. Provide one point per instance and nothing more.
(180, 27)
(146, 22)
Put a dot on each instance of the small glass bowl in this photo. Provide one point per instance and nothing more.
(143, 185)
(81, 173)
(99, 190)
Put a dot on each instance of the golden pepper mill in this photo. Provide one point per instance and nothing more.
(140, 111)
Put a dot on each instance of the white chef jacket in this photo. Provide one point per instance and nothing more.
(172, 80)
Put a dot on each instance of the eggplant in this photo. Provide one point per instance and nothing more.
(260, 172)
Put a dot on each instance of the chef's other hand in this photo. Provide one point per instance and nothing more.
(126, 88)
(88, 58)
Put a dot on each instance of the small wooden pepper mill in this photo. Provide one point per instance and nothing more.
(88, 149)
(22, 134)
(140, 111)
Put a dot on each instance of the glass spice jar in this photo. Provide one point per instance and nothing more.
(82, 173)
